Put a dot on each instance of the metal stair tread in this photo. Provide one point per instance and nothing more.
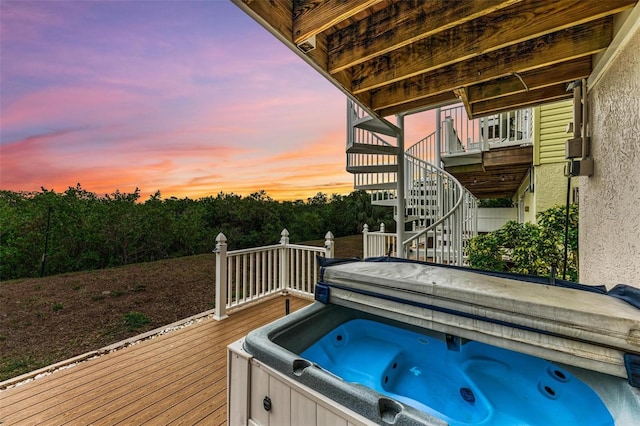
(375, 125)
(375, 186)
(363, 148)
(378, 168)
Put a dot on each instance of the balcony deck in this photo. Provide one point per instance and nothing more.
(175, 378)
(496, 173)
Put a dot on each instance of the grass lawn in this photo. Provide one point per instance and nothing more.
(50, 319)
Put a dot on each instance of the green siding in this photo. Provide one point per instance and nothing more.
(552, 127)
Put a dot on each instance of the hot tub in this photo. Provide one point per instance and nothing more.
(403, 352)
(464, 383)
(394, 373)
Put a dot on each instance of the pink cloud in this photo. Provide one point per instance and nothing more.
(114, 105)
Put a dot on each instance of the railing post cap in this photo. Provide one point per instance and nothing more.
(284, 233)
(221, 238)
(328, 236)
(365, 228)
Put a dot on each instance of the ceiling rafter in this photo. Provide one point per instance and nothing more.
(471, 39)
(535, 79)
(312, 17)
(555, 48)
(552, 93)
(400, 25)
(402, 56)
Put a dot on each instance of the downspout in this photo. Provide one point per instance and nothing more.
(400, 200)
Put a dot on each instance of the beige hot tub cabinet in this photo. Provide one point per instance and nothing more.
(249, 384)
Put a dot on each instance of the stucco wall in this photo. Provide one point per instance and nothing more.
(551, 186)
(610, 199)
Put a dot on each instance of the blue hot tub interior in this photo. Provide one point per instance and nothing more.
(460, 382)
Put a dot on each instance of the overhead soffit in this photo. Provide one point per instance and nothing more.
(402, 56)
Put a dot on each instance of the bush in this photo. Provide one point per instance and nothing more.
(135, 320)
(495, 202)
(530, 248)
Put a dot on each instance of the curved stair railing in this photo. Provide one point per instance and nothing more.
(441, 211)
(446, 211)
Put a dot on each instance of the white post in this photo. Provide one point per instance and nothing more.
(382, 227)
(328, 245)
(437, 160)
(285, 279)
(400, 206)
(220, 312)
(365, 241)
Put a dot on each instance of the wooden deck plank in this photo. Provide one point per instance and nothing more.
(124, 400)
(106, 377)
(178, 384)
(47, 384)
(172, 409)
(176, 377)
(112, 370)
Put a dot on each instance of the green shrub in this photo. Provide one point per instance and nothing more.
(135, 320)
(530, 248)
(495, 202)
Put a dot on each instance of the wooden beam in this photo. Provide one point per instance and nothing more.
(531, 80)
(544, 51)
(461, 93)
(311, 17)
(496, 183)
(424, 103)
(520, 100)
(508, 157)
(402, 23)
(465, 169)
(275, 13)
(319, 57)
(495, 31)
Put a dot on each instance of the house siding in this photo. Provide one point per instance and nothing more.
(610, 199)
(553, 119)
(550, 183)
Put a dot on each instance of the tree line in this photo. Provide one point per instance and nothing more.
(46, 233)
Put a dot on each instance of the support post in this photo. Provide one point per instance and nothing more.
(328, 245)
(400, 206)
(365, 241)
(220, 311)
(437, 155)
(285, 279)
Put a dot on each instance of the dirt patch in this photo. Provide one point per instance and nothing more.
(46, 320)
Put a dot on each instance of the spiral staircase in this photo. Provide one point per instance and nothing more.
(438, 215)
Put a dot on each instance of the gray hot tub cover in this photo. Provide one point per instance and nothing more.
(562, 321)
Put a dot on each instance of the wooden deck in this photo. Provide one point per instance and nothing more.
(175, 378)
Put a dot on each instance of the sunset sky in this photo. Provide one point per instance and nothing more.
(189, 98)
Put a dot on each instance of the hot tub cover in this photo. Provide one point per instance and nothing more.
(575, 324)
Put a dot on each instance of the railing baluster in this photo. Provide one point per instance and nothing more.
(229, 280)
(251, 274)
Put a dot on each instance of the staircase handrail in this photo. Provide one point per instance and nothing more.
(355, 113)
(445, 216)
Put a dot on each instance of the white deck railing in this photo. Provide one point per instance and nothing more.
(248, 275)
(463, 135)
(378, 243)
